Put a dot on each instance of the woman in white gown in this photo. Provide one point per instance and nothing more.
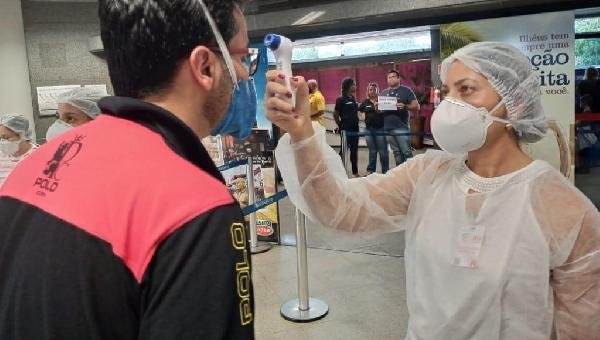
(498, 246)
(15, 142)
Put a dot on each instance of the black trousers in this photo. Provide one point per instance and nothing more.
(353, 149)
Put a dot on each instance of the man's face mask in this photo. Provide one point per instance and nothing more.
(241, 115)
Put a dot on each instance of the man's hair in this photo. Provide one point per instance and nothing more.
(394, 72)
(347, 83)
(145, 41)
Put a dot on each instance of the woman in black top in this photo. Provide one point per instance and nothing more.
(375, 137)
(346, 117)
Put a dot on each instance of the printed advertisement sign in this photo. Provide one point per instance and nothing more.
(225, 150)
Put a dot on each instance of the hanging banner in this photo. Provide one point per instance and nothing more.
(548, 40)
(265, 186)
(231, 156)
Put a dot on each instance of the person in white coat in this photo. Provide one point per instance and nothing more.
(498, 245)
(15, 142)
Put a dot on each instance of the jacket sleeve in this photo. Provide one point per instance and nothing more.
(576, 284)
(198, 284)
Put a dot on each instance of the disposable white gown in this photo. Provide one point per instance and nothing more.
(539, 270)
(8, 163)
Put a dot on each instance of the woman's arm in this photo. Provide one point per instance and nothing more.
(319, 186)
(576, 284)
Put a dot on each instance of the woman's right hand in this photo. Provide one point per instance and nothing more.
(296, 121)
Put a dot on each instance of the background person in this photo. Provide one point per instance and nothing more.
(346, 118)
(397, 121)
(124, 228)
(376, 139)
(15, 142)
(498, 246)
(75, 108)
(317, 102)
(590, 87)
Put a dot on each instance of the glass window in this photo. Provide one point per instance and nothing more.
(325, 51)
(587, 25)
(587, 52)
(362, 44)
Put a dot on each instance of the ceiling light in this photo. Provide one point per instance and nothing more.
(310, 17)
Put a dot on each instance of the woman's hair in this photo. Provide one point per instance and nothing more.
(347, 83)
(591, 73)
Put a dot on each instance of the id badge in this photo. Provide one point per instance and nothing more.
(468, 247)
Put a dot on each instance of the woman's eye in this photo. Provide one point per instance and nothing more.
(466, 88)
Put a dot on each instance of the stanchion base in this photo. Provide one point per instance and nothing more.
(261, 247)
(291, 311)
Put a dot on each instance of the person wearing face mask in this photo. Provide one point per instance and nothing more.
(75, 108)
(498, 245)
(15, 142)
(123, 228)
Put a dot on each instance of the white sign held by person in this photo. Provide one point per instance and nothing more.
(387, 103)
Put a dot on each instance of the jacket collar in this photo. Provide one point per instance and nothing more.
(178, 136)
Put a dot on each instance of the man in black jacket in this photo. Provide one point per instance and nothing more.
(123, 228)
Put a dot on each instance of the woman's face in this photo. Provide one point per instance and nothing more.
(372, 92)
(72, 115)
(352, 91)
(471, 87)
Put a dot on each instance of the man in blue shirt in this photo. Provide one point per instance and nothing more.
(396, 121)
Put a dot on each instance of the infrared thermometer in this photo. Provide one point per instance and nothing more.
(282, 49)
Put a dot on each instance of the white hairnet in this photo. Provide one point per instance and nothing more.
(18, 124)
(510, 73)
(84, 99)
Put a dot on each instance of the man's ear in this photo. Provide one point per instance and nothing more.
(203, 64)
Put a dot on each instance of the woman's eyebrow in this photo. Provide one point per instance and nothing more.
(458, 82)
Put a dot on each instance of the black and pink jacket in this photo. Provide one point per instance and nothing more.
(123, 229)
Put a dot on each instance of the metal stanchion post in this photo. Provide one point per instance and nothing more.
(304, 308)
(255, 246)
